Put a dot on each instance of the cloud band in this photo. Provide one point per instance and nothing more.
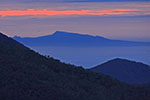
(45, 12)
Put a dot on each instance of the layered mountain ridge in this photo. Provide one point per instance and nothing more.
(60, 38)
(27, 75)
(124, 70)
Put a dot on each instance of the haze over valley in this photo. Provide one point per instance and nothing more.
(86, 50)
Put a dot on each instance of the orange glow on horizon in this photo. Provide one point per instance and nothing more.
(46, 12)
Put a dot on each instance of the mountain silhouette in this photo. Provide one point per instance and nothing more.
(125, 70)
(27, 75)
(60, 38)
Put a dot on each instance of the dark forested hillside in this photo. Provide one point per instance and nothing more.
(26, 75)
(125, 70)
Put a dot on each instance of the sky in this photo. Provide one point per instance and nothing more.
(115, 19)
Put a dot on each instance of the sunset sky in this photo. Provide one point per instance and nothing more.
(116, 19)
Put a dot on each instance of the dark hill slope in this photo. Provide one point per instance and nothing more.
(26, 75)
(125, 70)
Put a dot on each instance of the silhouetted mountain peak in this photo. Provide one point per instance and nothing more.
(125, 70)
(119, 60)
(62, 33)
(61, 38)
(122, 61)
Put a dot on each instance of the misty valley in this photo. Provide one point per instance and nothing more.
(92, 56)
(86, 50)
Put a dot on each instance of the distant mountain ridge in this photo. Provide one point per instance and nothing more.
(60, 38)
(27, 75)
(125, 70)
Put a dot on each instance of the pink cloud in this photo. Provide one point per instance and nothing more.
(45, 12)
